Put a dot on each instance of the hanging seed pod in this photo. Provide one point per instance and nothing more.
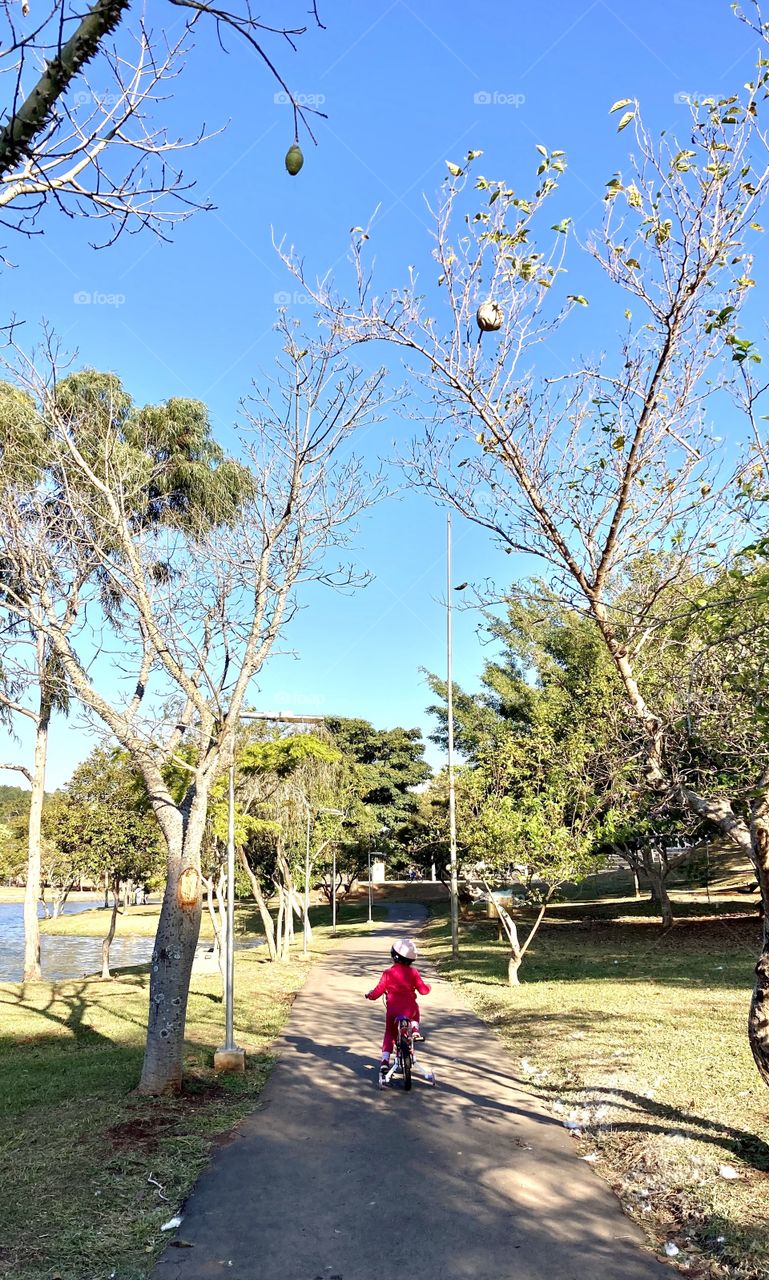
(294, 159)
(489, 316)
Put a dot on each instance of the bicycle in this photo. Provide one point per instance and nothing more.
(404, 1057)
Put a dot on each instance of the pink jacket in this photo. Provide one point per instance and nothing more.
(400, 983)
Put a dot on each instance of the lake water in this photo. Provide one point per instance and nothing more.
(63, 957)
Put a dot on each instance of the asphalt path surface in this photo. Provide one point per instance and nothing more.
(334, 1179)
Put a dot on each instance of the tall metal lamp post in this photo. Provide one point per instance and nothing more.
(450, 725)
(308, 837)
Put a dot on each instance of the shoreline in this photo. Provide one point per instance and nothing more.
(12, 894)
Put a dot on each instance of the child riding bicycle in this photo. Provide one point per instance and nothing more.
(399, 984)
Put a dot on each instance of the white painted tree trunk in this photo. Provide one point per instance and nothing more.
(267, 920)
(107, 943)
(217, 912)
(60, 900)
(32, 970)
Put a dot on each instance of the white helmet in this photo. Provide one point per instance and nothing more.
(404, 949)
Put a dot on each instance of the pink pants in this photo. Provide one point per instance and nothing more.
(388, 1041)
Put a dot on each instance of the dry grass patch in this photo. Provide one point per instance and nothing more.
(638, 1042)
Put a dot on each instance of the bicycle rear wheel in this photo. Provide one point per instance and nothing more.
(404, 1055)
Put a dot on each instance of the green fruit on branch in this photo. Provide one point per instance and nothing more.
(294, 159)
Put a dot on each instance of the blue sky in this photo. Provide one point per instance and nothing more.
(406, 86)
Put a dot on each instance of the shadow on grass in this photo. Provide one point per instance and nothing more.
(708, 953)
(652, 1116)
(76, 1001)
(486, 971)
(672, 1121)
(644, 911)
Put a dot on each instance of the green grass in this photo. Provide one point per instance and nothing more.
(641, 1038)
(139, 922)
(79, 1146)
(143, 921)
(610, 1013)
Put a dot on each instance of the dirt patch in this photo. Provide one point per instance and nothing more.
(143, 1132)
(196, 1093)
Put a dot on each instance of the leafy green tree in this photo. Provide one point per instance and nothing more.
(541, 758)
(347, 786)
(14, 818)
(103, 821)
(388, 766)
(288, 780)
(190, 608)
(177, 477)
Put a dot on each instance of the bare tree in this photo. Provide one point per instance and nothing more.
(83, 93)
(175, 619)
(612, 459)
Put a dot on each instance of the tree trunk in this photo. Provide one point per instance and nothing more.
(33, 114)
(107, 943)
(659, 893)
(60, 899)
(175, 943)
(267, 921)
(636, 882)
(507, 923)
(656, 871)
(288, 925)
(221, 932)
(758, 1017)
(279, 927)
(290, 900)
(32, 970)
(217, 912)
(298, 910)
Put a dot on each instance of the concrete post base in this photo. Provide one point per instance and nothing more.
(230, 1060)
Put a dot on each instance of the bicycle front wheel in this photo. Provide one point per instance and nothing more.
(404, 1053)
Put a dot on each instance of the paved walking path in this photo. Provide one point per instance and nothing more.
(332, 1179)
